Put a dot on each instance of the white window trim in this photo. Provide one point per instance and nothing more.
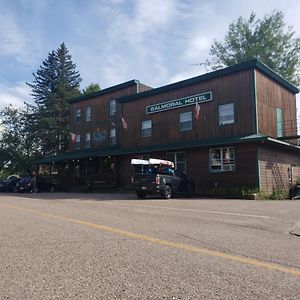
(112, 137)
(78, 115)
(77, 143)
(222, 164)
(88, 114)
(112, 104)
(87, 143)
(146, 131)
(223, 106)
(176, 162)
(189, 120)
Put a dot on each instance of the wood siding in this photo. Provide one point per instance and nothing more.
(273, 168)
(197, 161)
(236, 88)
(271, 95)
(101, 120)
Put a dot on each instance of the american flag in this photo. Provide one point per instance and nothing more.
(124, 123)
(73, 137)
(197, 111)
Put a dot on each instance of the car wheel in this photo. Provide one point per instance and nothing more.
(167, 193)
(140, 195)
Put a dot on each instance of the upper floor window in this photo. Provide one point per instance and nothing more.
(226, 114)
(88, 114)
(77, 143)
(112, 139)
(88, 140)
(279, 122)
(179, 160)
(221, 159)
(78, 115)
(186, 122)
(112, 107)
(146, 128)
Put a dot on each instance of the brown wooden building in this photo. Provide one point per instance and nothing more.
(228, 128)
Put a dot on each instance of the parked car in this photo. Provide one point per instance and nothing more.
(156, 176)
(9, 184)
(26, 184)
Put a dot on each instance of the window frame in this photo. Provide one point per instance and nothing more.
(78, 115)
(226, 122)
(112, 137)
(147, 132)
(183, 127)
(221, 163)
(279, 122)
(176, 161)
(77, 141)
(88, 113)
(112, 107)
(87, 142)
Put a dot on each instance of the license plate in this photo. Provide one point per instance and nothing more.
(144, 188)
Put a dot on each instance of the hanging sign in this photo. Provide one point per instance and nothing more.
(99, 137)
(198, 98)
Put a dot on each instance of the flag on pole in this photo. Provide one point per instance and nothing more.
(124, 123)
(73, 137)
(197, 111)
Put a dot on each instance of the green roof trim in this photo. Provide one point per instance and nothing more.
(105, 91)
(254, 63)
(74, 155)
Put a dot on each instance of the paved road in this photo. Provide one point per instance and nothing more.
(112, 246)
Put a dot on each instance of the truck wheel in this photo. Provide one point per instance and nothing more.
(140, 195)
(167, 193)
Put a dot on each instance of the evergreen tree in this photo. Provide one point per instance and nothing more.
(266, 39)
(54, 83)
(91, 88)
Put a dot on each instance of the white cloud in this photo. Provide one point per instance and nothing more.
(15, 95)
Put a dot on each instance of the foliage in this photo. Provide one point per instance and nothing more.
(91, 88)
(279, 194)
(18, 145)
(266, 39)
(54, 82)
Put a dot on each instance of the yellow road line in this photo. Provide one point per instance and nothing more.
(186, 247)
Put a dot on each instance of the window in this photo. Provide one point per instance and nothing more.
(179, 160)
(88, 114)
(113, 136)
(221, 159)
(146, 128)
(226, 114)
(77, 144)
(186, 121)
(112, 107)
(279, 122)
(78, 115)
(88, 140)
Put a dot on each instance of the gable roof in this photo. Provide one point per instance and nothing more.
(251, 64)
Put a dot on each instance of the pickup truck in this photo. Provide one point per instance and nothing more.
(157, 176)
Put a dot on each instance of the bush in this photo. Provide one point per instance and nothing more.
(279, 194)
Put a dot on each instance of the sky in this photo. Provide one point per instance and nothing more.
(112, 41)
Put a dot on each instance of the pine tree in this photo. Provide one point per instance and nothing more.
(54, 83)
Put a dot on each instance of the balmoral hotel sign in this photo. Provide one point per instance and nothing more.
(159, 107)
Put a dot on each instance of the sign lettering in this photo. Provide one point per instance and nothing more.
(159, 107)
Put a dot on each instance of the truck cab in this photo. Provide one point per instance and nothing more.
(157, 176)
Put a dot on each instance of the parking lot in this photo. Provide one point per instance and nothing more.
(113, 246)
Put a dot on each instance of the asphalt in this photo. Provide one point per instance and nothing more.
(112, 246)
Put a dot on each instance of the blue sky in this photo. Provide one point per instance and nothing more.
(154, 41)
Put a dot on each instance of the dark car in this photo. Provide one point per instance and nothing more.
(9, 184)
(295, 192)
(156, 176)
(26, 184)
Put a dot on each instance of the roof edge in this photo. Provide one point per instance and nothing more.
(104, 91)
